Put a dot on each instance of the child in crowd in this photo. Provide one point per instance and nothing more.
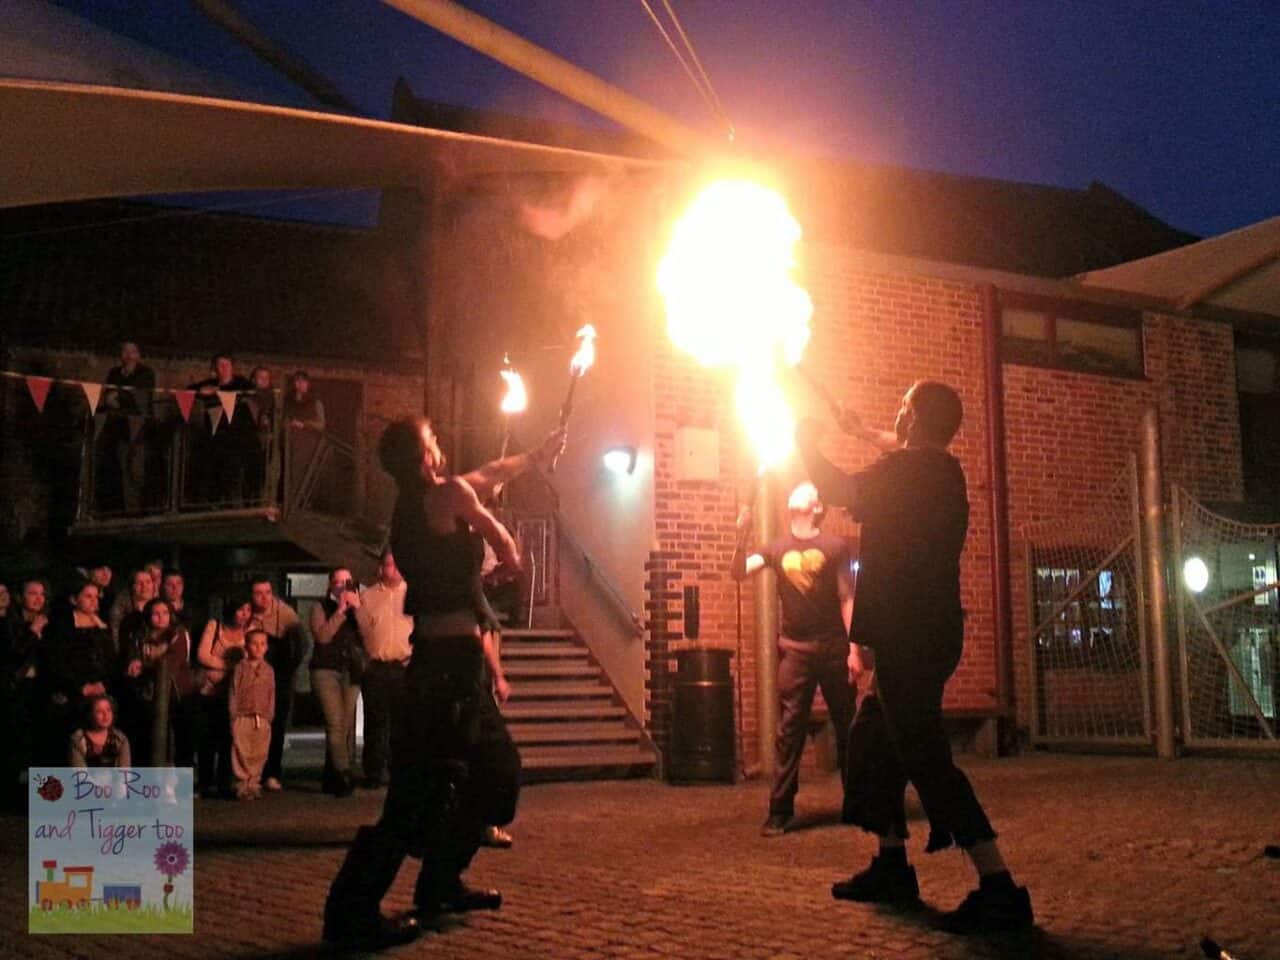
(253, 702)
(99, 743)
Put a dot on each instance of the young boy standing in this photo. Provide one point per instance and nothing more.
(913, 506)
(253, 701)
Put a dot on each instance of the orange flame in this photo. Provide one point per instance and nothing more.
(732, 302)
(586, 355)
(516, 399)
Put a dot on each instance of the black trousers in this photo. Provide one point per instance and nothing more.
(279, 728)
(454, 770)
(898, 737)
(382, 688)
(803, 667)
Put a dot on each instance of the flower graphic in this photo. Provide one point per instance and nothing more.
(171, 860)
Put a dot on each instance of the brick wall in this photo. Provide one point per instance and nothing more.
(873, 336)
(1068, 436)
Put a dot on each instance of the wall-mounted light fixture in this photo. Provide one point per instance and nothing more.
(620, 460)
(1195, 574)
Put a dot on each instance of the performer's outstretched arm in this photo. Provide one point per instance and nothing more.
(744, 564)
(485, 478)
(468, 508)
(882, 440)
(835, 487)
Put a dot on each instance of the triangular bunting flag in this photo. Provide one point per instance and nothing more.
(185, 399)
(228, 400)
(39, 389)
(92, 393)
(215, 418)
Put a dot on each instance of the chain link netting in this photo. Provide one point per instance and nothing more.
(1085, 599)
(1228, 619)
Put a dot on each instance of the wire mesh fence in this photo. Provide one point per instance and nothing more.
(1090, 681)
(1228, 619)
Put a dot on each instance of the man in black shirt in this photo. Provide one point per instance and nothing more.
(815, 588)
(914, 510)
(220, 458)
(128, 403)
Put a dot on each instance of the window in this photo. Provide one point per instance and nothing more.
(1089, 628)
(1042, 332)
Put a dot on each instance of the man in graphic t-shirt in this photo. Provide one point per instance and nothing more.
(816, 593)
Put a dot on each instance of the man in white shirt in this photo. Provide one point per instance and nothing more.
(385, 631)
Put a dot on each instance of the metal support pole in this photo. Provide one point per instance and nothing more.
(557, 73)
(1152, 492)
(160, 717)
(997, 467)
(766, 613)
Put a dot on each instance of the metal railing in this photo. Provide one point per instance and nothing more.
(162, 464)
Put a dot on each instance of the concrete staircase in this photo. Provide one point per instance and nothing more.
(564, 714)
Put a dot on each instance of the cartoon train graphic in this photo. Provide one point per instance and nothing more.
(75, 890)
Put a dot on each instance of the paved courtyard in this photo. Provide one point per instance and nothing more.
(1124, 857)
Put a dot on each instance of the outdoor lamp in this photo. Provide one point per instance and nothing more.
(1195, 574)
(620, 460)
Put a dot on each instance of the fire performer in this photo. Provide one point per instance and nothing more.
(914, 510)
(815, 588)
(454, 768)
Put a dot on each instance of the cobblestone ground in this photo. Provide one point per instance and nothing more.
(1127, 858)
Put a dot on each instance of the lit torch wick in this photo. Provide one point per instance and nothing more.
(579, 365)
(514, 401)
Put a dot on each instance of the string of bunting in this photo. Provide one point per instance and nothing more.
(39, 386)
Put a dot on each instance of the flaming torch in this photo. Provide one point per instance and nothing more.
(732, 303)
(514, 400)
(578, 366)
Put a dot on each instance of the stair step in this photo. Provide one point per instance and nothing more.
(540, 651)
(562, 710)
(538, 633)
(587, 756)
(570, 689)
(573, 733)
(552, 669)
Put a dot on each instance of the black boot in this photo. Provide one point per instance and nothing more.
(352, 912)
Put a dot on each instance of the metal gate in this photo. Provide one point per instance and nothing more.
(1086, 603)
(1228, 622)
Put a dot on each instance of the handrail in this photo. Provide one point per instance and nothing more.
(596, 573)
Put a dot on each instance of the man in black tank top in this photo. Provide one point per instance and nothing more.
(454, 768)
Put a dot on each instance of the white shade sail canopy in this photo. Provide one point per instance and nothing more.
(1237, 271)
(65, 142)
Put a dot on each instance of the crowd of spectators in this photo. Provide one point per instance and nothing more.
(228, 455)
(99, 676)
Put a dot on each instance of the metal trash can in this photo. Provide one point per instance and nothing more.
(702, 740)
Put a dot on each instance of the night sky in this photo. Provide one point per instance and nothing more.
(1174, 104)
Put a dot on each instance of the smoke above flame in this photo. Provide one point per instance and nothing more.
(732, 302)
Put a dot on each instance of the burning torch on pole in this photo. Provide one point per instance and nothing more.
(578, 366)
(514, 401)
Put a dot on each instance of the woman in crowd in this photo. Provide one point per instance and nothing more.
(161, 641)
(302, 408)
(75, 666)
(99, 743)
(125, 615)
(221, 648)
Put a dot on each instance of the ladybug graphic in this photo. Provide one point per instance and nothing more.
(49, 788)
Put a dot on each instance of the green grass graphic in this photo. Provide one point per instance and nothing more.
(99, 918)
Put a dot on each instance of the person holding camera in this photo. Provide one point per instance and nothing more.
(337, 663)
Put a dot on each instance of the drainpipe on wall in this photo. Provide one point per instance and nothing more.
(766, 632)
(997, 471)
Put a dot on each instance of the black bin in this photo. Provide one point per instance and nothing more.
(702, 742)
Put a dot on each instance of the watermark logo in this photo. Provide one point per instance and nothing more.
(110, 850)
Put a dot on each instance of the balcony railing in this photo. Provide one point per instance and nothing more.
(162, 464)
